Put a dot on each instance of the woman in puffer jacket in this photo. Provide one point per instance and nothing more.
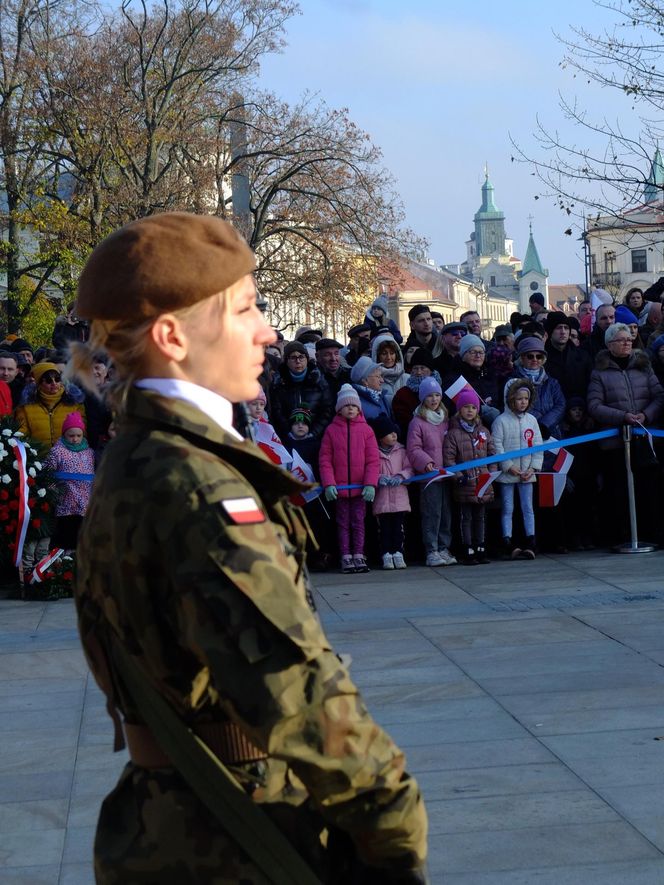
(46, 403)
(624, 390)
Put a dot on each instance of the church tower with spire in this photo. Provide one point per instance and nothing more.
(653, 192)
(489, 223)
(533, 277)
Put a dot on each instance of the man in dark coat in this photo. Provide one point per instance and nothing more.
(569, 365)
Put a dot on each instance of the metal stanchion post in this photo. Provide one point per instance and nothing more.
(633, 545)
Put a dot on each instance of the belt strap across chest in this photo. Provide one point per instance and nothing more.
(225, 740)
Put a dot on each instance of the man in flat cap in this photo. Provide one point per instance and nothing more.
(191, 598)
(328, 357)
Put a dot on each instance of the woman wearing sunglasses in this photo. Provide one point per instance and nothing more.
(47, 403)
(549, 405)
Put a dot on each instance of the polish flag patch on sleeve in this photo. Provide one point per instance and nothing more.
(243, 511)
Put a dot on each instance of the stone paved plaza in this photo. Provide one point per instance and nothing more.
(529, 698)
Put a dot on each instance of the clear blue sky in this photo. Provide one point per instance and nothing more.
(440, 88)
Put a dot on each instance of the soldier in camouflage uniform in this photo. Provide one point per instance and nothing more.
(191, 557)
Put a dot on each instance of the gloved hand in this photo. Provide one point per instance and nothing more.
(331, 493)
(396, 480)
(384, 480)
(368, 493)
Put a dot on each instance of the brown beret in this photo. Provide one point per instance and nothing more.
(161, 263)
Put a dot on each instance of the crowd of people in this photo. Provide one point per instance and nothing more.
(368, 415)
(377, 417)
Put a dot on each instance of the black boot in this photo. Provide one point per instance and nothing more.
(508, 548)
(468, 557)
(481, 557)
(528, 551)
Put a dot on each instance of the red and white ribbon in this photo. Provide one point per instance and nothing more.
(44, 564)
(23, 513)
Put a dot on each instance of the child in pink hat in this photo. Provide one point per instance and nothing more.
(73, 463)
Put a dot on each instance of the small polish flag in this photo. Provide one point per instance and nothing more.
(484, 481)
(243, 510)
(455, 389)
(563, 461)
(442, 474)
(550, 487)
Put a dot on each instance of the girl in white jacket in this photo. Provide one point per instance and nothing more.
(517, 429)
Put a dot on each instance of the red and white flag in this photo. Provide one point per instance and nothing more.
(301, 470)
(243, 511)
(267, 439)
(455, 389)
(550, 487)
(44, 565)
(442, 474)
(563, 461)
(484, 481)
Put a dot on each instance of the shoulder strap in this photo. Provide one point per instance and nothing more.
(214, 785)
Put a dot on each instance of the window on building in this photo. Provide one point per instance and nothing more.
(639, 260)
(492, 280)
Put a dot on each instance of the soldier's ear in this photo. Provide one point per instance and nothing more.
(169, 338)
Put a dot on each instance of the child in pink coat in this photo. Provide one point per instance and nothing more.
(426, 433)
(349, 456)
(392, 500)
(74, 459)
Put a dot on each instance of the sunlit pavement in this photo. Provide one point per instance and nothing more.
(528, 697)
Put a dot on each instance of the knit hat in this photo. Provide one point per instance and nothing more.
(42, 368)
(347, 396)
(530, 344)
(363, 367)
(295, 347)
(467, 397)
(381, 302)
(625, 315)
(469, 341)
(73, 419)
(301, 413)
(576, 402)
(161, 263)
(536, 298)
(554, 319)
(503, 331)
(427, 387)
(382, 425)
(422, 357)
(416, 310)
(261, 395)
(657, 343)
(19, 344)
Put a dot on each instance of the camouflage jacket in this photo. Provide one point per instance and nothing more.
(212, 605)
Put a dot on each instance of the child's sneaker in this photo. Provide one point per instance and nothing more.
(398, 560)
(447, 558)
(360, 563)
(481, 557)
(347, 564)
(388, 560)
(434, 558)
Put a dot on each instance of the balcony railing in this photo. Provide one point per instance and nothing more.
(606, 280)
